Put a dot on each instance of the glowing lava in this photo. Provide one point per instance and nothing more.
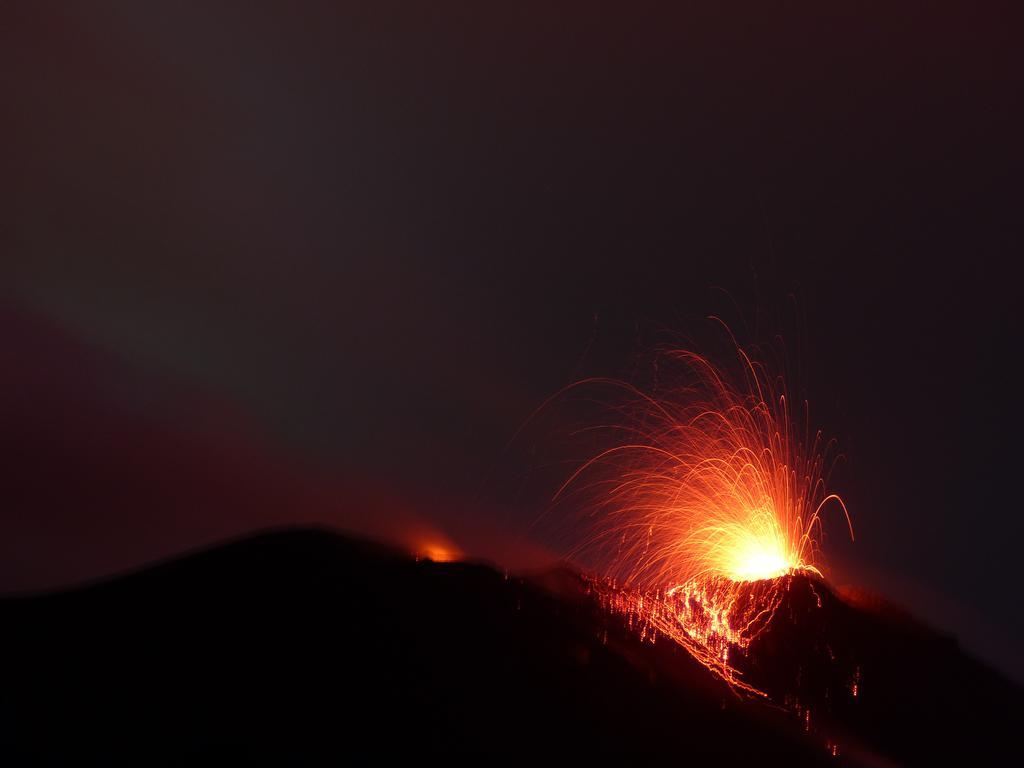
(709, 493)
(437, 551)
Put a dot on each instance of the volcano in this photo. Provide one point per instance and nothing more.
(307, 644)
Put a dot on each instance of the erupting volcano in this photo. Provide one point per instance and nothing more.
(712, 490)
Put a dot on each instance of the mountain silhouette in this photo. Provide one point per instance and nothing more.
(307, 644)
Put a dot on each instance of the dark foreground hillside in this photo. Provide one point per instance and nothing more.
(308, 644)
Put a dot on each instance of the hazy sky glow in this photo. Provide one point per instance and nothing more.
(261, 263)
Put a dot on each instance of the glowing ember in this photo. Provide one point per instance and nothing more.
(438, 553)
(710, 494)
(434, 546)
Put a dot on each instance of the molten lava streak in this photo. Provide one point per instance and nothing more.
(710, 493)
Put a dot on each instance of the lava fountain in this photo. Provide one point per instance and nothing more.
(710, 493)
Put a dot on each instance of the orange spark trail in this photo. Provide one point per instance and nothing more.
(709, 494)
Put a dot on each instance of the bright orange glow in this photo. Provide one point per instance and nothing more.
(710, 487)
(438, 552)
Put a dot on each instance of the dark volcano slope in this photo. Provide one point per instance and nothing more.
(307, 644)
(877, 682)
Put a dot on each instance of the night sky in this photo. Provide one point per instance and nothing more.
(266, 264)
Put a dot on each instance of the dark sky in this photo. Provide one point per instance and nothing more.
(266, 264)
